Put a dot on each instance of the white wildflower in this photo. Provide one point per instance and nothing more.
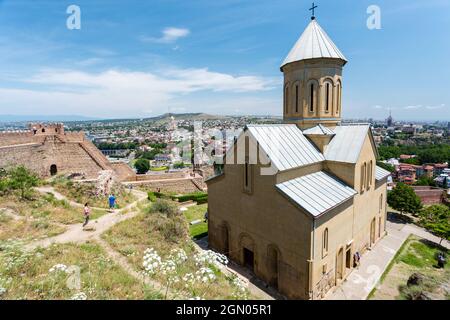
(210, 257)
(58, 268)
(79, 296)
(152, 261)
(205, 275)
(196, 298)
(168, 267)
(178, 256)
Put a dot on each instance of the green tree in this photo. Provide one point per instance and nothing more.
(22, 179)
(436, 219)
(414, 161)
(142, 166)
(404, 199)
(425, 181)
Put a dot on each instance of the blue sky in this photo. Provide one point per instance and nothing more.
(142, 58)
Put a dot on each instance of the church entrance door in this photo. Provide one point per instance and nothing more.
(249, 259)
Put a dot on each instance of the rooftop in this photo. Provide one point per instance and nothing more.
(317, 193)
(313, 43)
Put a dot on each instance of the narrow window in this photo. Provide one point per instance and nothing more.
(246, 174)
(381, 203)
(327, 98)
(296, 98)
(286, 99)
(361, 188)
(325, 242)
(311, 97)
(338, 98)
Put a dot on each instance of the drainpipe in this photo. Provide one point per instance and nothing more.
(311, 261)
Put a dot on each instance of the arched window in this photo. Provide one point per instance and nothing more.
(286, 99)
(362, 178)
(381, 203)
(369, 174)
(338, 97)
(328, 95)
(43, 130)
(296, 98)
(312, 96)
(325, 242)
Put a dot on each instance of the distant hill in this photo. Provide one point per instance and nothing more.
(48, 118)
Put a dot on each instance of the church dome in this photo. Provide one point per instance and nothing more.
(314, 43)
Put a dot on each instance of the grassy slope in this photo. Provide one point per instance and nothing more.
(100, 277)
(413, 256)
(133, 236)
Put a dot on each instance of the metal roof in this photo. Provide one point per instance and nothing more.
(313, 43)
(381, 173)
(319, 129)
(285, 145)
(317, 192)
(346, 145)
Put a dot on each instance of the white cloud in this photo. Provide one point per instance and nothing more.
(169, 35)
(412, 107)
(115, 93)
(424, 107)
(378, 107)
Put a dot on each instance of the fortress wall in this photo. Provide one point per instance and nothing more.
(28, 156)
(74, 136)
(123, 171)
(12, 138)
(68, 157)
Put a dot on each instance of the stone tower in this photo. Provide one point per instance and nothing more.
(313, 80)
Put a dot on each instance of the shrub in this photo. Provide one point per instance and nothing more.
(196, 196)
(174, 229)
(164, 207)
(151, 196)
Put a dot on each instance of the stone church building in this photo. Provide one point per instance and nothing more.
(298, 202)
(48, 150)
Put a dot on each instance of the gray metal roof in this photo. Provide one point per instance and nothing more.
(313, 43)
(319, 129)
(346, 145)
(317, 192)
(381, 173)
(285, 145)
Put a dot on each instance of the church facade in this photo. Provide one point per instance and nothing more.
(298, 203)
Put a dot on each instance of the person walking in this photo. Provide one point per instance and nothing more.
(87, 213)
(112, 201)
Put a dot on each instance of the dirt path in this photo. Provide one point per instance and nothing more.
(75, 232)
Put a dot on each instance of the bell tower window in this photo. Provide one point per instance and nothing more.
(311, 97)
(296, 98)
(286, 99)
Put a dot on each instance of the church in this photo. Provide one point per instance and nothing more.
(298, 203)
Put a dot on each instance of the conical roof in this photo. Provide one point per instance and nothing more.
(313, 43)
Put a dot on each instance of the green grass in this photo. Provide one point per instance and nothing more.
(417, 256)
(28, 276)
(192, 213)
(159, 168)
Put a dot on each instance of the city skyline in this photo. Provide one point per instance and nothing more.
(216, 58)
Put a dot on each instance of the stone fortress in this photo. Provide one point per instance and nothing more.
(48, 150)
